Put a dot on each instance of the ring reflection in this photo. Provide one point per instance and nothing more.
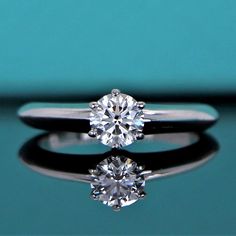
(117, 177)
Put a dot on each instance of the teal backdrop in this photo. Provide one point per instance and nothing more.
(66, 47)
(72, 46)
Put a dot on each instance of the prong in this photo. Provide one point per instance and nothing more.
(115, 145)
(141, 168)
(115, 92)
(93, 196)
(92, 172)
(141, 104)
(92, 133)
(116, 208)
(93, 105)
(140, 136)
(142, 195)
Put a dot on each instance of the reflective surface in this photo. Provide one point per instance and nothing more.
(201, 201)
(115, 178)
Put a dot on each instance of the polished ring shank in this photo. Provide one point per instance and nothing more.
(158, 118)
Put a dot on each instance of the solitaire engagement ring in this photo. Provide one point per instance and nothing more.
(117, 119)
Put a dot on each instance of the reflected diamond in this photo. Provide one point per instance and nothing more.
(117, 182)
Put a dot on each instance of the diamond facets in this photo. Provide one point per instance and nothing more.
(117, 182)
(116, 119)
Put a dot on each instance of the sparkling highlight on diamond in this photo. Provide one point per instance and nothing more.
(117, 182)
(116, 119)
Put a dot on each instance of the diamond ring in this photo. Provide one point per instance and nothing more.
(117, 177)
(117, 119)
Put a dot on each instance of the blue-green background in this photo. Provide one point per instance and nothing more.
(64, 47)
(73, 46)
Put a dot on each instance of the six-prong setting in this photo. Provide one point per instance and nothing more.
(117, 119)
(117, 182)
